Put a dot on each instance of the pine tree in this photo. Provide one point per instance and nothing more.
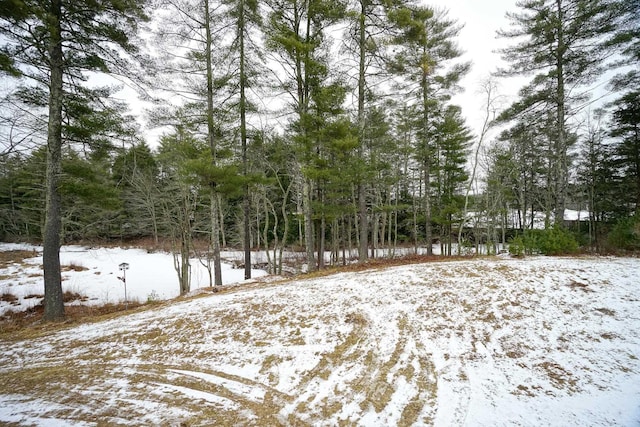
(425, 52)
(600, 180)
(183, 157)
(296, 34)
(365, 43)
(135, 173)
(200, 77)
(53, 43)
(626, 131)
(245, 55)
(560, 42)
(452, 140)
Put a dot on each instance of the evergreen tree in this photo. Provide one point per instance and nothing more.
(600, 180)
(365, 43)
(626, 131)
(296, 34)
(197, 30)
(178, 150)
(452, 140)
(53, 43)
(561, 43)
(135, 173)
(22, 195)
(246, 18)
(425, 52)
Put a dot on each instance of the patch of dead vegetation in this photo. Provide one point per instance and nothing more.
(28, 324)
(356, 318)
(69, 296)
(609, 335)
(575, 285)
(73, 267)
(514, 350)
(8, 297)
(8, 258)
(606, 311)
(524, 390)
(559, 376)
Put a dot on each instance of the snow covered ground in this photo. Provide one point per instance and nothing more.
(150, 275)
(486, 342)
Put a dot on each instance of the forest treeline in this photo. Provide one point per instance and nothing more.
(319, 125)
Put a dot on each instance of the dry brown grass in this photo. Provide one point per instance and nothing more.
(16, 325)
(8, 297)
(382, 263)
(8, 258)
(73, 267)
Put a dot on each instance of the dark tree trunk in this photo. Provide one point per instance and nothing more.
(53, 302)
(211, 137)
(246, 205)
(362, 192)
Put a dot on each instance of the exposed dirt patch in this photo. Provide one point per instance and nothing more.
(69, 296)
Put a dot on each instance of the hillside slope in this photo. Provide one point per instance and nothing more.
(540, 341)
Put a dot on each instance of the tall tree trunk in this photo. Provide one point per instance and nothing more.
(308, 224)
(414, 204)
(215, 239)
(53, 302)
(363, 223)
(265, 235)
(561, 152)
(489, 89)
(321, 242)
(285, 218)
(223, 238)
(243, 136)
(426, 165)
(211, 137)
(362, 191)
(185, 252)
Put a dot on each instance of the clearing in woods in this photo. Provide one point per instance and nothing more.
(540, 341)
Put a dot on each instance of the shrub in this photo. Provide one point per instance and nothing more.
(557, 241)
(550, 241)
(625, 234)
(516, 246)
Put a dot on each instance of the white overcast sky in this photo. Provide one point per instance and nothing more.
(481, 20)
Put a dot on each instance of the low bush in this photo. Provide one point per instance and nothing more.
(625, 234)
(550, 241)
(516, 247)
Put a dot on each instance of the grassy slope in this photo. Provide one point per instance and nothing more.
(420, 344)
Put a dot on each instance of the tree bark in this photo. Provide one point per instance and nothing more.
(215, 240)
(561, 152)
(53, 301)
(211, 138)
(308, 224)
(427, 166)
(362, 193)
(246, 206)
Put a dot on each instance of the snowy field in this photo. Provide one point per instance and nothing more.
(150, 275)
(487, 342)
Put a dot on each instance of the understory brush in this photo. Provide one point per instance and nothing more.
(625, 234)
(550, 241)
